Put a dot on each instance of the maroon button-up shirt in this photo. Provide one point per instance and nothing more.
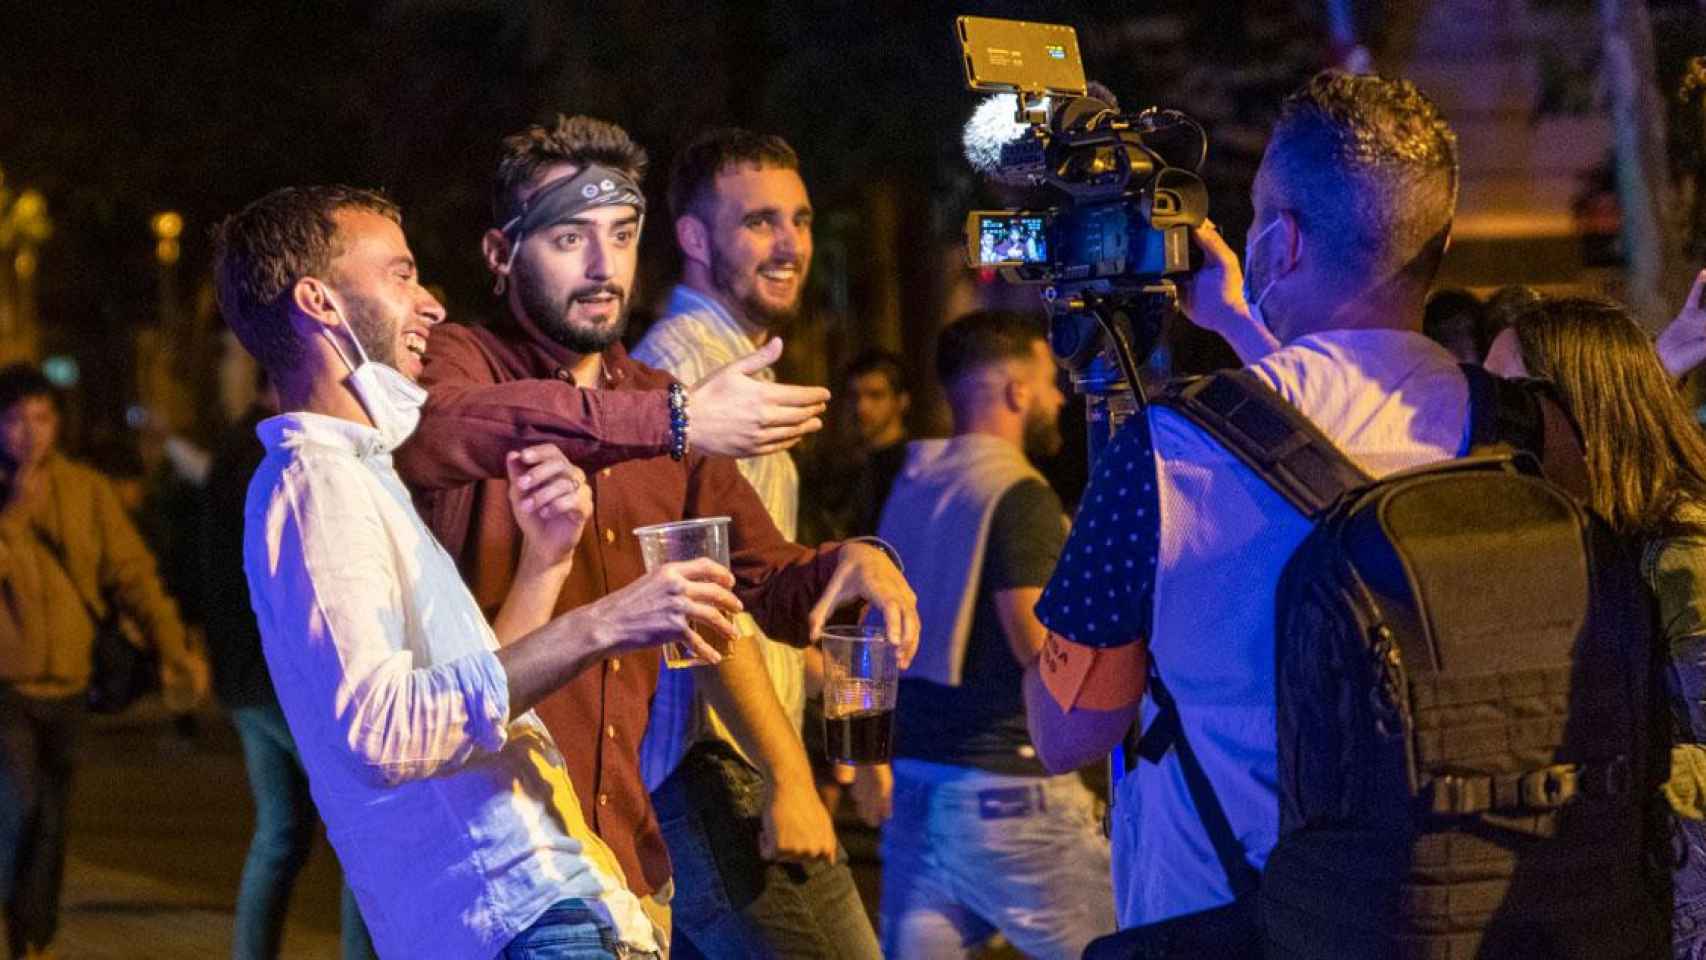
(493, 391)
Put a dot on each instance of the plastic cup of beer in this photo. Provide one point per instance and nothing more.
(663, 543)
(861, 674)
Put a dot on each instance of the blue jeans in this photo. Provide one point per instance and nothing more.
(1022, 855)
(1688, 916)
(38, 747)
(569, 930)
(730, 902)
(285, 819)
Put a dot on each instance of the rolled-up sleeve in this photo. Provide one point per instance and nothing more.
(334, 606)
(1102, 590)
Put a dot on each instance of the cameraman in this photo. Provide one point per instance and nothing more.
(1353, 205)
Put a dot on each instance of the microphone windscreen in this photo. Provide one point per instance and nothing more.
(992, 126)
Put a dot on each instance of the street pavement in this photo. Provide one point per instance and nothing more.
(158, 831)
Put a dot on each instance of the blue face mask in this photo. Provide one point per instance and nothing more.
(1255, 303)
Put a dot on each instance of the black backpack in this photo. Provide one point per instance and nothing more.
(1469, 713)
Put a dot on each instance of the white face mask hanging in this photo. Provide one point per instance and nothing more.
(392, 401)
(1255, 303)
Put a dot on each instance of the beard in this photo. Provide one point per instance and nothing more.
(1042, 435)
(550, 314)
(757, 310)
(377, 337)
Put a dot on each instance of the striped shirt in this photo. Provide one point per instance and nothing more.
(694, 337)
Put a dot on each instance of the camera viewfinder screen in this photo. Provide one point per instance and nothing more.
(1012, 239)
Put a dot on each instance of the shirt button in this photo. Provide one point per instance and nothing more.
(611, 730)
(609, 535)
(615, 666)
(563, 375)
(604, 799)
(605, 472)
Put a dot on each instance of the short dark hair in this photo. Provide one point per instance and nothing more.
(877, 360)
(1455, 317)
(982, 338)
(260, 252)
(21, 381)
(1510, 303)
(1368, 166)
(577, 140)
(697, 165)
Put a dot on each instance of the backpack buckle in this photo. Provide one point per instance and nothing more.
(1551, 787)
(1450, 795)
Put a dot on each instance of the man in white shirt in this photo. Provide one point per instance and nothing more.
(744, 226)
(1353, 202)
(446, 800)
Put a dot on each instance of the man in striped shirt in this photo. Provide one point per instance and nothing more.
(743, 221)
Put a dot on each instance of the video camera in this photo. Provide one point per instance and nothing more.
(1109, 215)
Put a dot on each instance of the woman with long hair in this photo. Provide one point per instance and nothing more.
(1646, 462)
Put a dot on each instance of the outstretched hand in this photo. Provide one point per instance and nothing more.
(735, 414)
(1682, 345)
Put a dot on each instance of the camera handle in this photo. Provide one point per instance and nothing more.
(1032, 108)
(1112, 392)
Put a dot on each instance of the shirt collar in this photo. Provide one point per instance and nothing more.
(289, 431)
(685, 299)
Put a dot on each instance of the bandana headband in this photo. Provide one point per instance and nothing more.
(593, 186)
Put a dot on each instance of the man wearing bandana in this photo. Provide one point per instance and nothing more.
(568, 209)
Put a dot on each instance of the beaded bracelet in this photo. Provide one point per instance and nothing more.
(677, 422)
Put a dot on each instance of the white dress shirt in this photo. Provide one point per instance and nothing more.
(694, 337)
(456, 827)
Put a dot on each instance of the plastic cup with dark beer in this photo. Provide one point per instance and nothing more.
(861, 673)
(663, 543)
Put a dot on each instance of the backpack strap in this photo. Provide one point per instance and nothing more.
(1166, 732)
(1293, 456)
(1270, 435)
(1526, 416)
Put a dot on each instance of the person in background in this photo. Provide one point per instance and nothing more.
(1457, 320)
(743, 222)
(1646, 460)
(981, 838)
(848, 483)
(66, 546)
(285, 815)
(1505, 304)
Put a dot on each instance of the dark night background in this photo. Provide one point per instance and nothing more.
(117, 111)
